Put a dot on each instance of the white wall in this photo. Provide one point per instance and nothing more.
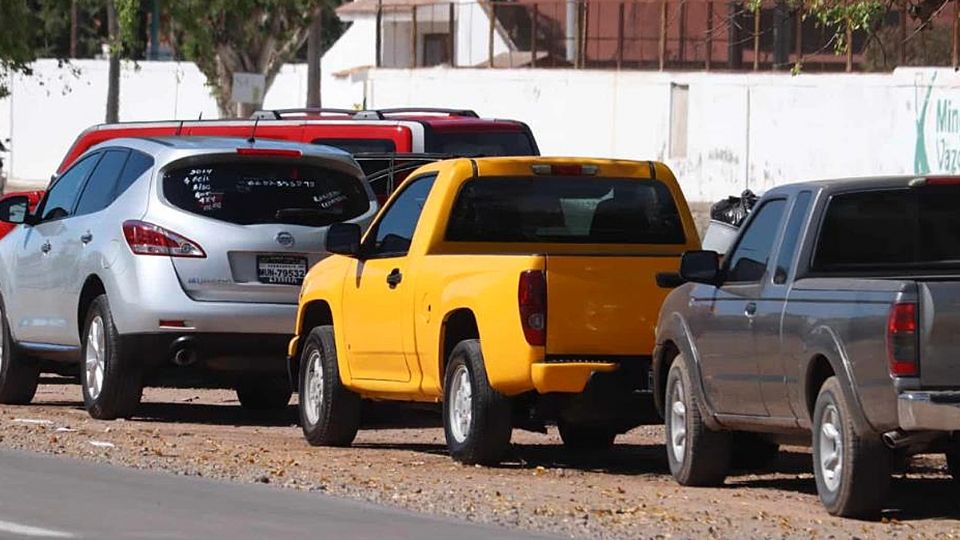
(342, 69)
(744, 130)
(47, 111)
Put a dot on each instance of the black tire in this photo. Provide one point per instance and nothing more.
(259, 392)
(335, 417)
(121, 384)
(484, 439)
(861, 487)
(752, 452)
(581, 439)
(19, 375)
(703, 456)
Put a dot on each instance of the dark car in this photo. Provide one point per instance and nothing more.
(835, 315)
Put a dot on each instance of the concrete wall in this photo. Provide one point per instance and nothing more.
(742, 130)
(47, 111)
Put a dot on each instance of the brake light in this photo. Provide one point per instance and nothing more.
(943, 181)
(565, 170)
(902, 340)
(532, 299)
(149, 239)
(270, 152)
(924, 181)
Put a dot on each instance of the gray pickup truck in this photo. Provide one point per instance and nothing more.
(835, 314)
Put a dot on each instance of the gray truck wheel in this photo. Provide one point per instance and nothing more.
(697, 455)
(580, 438)
(18, 375)
(477, 420)
(259, 392)
(111, 378)
(329, 411)
(852, 472)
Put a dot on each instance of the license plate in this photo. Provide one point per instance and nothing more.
(281, 270)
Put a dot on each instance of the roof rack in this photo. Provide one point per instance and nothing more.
(430, 110)
(277, 114)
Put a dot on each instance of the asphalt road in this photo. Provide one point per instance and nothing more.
(49, 497)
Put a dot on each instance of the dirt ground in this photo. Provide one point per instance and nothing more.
(399, 459)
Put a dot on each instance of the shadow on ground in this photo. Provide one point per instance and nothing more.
(911, 498)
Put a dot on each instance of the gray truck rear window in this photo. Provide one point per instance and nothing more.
(249, 193)
(569, 210)
(895, 228)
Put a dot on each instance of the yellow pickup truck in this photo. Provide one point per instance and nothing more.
(516, 291)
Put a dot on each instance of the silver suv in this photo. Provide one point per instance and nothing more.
(169, 253)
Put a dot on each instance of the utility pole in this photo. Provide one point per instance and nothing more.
(314, 56)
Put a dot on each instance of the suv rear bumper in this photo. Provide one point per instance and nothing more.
(213, 351)
(929, 411)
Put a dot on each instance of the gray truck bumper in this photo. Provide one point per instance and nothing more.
(929, 411)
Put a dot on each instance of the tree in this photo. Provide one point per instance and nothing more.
(17, 41)
(224, 37)
(124, 27)
(53, 20)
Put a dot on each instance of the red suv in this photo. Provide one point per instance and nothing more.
(377, 138)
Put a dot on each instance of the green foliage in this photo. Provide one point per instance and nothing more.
(228, 36)
(51, 22)
(17, 43)
(129, 19)
(835, 15)
(203, 25)
(860, 15)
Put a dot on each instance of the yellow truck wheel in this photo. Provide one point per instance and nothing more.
(329, 412)
(476, 418)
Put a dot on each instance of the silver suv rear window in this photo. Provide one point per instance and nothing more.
(250, 193)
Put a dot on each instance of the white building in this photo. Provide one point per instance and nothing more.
(415, 33)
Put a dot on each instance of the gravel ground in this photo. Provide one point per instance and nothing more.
(399, 460)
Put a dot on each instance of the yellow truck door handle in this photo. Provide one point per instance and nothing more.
(394, 278)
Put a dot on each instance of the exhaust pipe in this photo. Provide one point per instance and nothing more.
(184, 353)
(900, 439)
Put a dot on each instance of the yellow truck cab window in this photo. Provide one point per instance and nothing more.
(570, 210)
(392, 235)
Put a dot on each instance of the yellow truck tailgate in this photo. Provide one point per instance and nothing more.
(603, 305)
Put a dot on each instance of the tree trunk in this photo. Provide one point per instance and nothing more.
(265, 56)
(113, 73)
(314, 56)
(73, 29)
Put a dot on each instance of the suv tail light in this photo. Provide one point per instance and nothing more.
(532, 299)
(149, 239)
(902, 340)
